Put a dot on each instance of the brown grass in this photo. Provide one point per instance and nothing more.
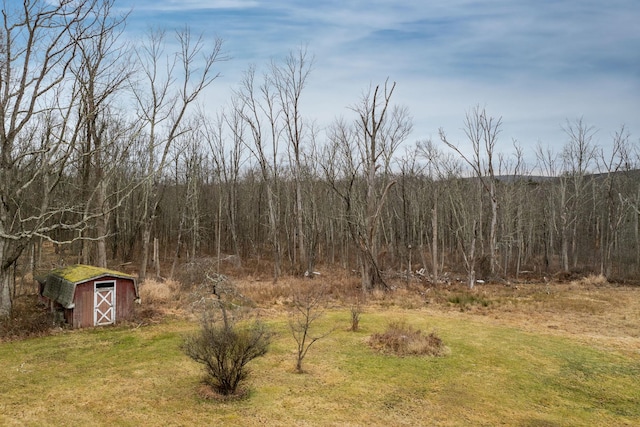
(401, 339)
(589, 309)
(338, 285)
(159, 298)
(159, 292)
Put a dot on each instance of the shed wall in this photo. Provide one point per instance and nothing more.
(125, 299)
(83, 311)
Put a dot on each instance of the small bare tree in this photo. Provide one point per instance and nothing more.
(356, 311)
(308, 307)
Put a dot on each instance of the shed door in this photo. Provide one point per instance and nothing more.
(104, 303)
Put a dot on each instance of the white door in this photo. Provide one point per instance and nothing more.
(104, 303)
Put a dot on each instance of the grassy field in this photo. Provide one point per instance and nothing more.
(512, 361)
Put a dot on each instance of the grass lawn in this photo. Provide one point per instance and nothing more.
(494, 375)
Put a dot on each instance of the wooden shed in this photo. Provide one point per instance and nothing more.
(90, 296)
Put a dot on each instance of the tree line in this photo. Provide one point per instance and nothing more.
(107, 152)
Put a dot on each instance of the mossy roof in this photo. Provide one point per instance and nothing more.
(60, 284)
(80, 273)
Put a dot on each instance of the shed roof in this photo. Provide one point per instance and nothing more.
(60, 284)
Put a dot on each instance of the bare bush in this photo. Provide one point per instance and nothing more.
(225, 349)
(401, 339)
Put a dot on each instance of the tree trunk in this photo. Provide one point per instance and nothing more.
(434, 239)
(144, 256)
(5, 292)
(102, 224)
(493, 233)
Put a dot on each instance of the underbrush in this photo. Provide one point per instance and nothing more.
(29, 318)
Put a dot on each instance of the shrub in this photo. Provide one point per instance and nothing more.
(403, 340)
(225, 349)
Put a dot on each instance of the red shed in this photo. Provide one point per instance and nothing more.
(90, 296)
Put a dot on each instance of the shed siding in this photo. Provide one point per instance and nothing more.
(83, 311)
(125, 298)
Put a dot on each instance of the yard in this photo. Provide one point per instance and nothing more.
(531, 355)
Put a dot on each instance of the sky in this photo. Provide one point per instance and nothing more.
(536, 64)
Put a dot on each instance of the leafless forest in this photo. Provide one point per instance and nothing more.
(109, 154)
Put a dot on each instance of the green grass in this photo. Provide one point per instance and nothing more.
(494, 375)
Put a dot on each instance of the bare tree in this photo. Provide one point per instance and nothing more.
(308, 308)
(616, 204)
(40, 42)
(482, 131)
(438, 166)
(367, 149)
(578, 155)
(464, 203)
(227, 159)
(290, 78)
(100, 72)
(258, 110)
(169, 85)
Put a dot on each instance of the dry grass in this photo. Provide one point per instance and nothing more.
(590, 308)
(338, 286)
(156, 292)
(401, 339)
(160, 298)
(591, 280)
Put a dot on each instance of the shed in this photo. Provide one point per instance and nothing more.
(90, 296)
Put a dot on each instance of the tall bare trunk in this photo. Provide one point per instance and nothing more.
(434, 238)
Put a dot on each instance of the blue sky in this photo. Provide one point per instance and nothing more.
(535, 63)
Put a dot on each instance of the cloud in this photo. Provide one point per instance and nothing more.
(536, 64)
